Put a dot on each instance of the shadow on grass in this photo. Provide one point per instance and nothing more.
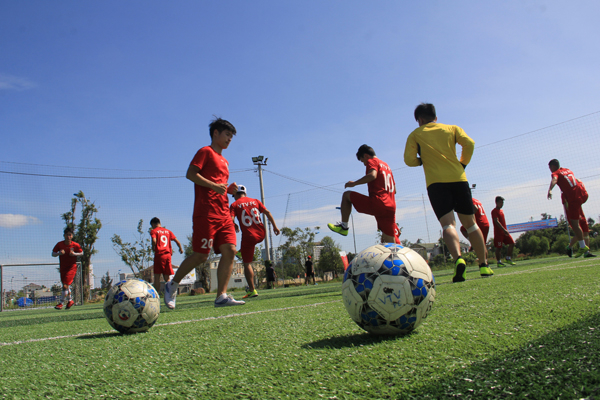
(358, 339)
(561, 364)
(100, 335)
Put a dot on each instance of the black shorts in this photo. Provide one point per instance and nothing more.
(310, 273)
(453, 196)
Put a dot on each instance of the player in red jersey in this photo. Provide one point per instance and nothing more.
(481, 221)
(247, 211)
(574, 195)
(67, 251)
(212, 225)
(161, 245)
(381, 202)
(501, 235)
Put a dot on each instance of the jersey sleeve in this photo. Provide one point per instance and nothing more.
(410, 152)
(467, 144)
(173, 237)
(77, 248)
(232, 210)
(56, 248)
(261, 207)
(200, 158)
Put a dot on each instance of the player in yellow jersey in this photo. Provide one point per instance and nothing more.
(433, 146)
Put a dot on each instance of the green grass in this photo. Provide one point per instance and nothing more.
(531, 331)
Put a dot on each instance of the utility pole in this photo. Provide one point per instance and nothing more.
(259, 162)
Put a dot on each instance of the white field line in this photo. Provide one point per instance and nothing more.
(168, 323)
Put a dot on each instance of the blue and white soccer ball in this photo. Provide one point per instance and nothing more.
(388, 289)
(132, 306)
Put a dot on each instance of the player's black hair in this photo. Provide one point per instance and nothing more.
(554, 163)
(364, 149)
(499, 198)
(68, 230)
(220, 125)
(425, 111)
(154, 221)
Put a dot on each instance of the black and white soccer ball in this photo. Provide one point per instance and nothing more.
(132, 306)
(388, 289)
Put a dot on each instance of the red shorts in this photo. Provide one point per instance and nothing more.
(384, 215)
(67, 274)
(162, 264)
(248, 245)
(212, 233)
(573, 205)
(500, 238)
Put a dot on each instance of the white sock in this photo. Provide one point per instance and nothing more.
(582, 244)
(174, 286)
(221, 297)
(64, 296)
(344, 225)
(508, 258)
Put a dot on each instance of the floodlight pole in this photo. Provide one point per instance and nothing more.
(259, 162)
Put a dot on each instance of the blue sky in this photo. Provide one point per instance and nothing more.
(133, 85)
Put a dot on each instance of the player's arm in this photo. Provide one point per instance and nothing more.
(499, 225)
(154, 244)
(270, 218)
(178, 245)
(57, 253)
(411, 153)
(467, 144)
(78, 254)
(370, 176)
(193, 174)
(552, 184)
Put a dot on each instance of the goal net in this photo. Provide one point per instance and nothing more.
(28, 286)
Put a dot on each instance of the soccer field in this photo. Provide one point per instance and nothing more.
(532, 330)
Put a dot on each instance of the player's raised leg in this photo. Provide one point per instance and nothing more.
(224, 270)
(346, 209)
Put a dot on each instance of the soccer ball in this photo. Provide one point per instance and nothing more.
(132, 306)
(388, 289)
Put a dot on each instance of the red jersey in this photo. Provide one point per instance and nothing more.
(248, 212)
(163, 238)
(498, 214)
(214, 167)
(480, 217)
(568, 184)
(67, 261)
(383, 187)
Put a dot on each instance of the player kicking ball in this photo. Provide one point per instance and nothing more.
(574, 195)
(212, 224)
(381, 202)
(248, 210)
(67, 251)
(501, 235)
(161, 245)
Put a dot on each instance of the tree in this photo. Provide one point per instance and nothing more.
(106, 282)
(202, 270)
(85, 233)
(329, 259)
(56, 289)
(137, 255)
(295, 251)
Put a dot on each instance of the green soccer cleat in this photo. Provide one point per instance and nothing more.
(485, 271)
(239, 255)
(569, 251)
(588, 255)
(500, 264)
(338, 228)
(510, 262)
(460, 271)
(253, 293)
(582, 251)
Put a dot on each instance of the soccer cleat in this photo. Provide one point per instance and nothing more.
(460, 270)
(485, 271)
(252, 293)
(228, 301)
(70, 304)
(569, 251)
(239, 255)
(338, 228)
(500, 264)
(170, 295)
(59, 306)
(510, 262)
(582, 251)
(588, 255)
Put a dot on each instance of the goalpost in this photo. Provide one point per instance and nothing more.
(28, 286)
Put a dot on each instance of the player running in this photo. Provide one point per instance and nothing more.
(247, 211)
(574, 195)
(161, 245)
(67, 251)
(481, 221)
(433, 146)
(501, 235)
(212, 224)
(381, 202)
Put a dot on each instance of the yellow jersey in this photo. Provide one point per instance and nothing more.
(436, 144)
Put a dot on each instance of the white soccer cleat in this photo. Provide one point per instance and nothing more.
(226, 300)
(170, 294)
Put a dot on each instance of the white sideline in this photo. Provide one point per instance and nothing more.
(168, 323)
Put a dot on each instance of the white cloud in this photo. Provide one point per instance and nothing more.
(17, 220)
(10, 82)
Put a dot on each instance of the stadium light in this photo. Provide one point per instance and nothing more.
(353, 237)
